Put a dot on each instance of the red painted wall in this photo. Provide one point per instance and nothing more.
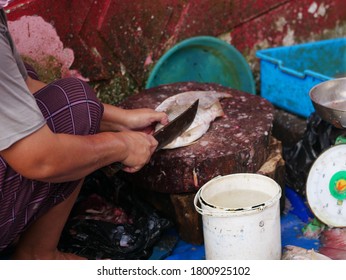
(113, 37)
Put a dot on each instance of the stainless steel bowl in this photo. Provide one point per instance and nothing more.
(329, 100)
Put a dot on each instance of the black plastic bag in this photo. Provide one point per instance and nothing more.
(318, 136)
(91, 235)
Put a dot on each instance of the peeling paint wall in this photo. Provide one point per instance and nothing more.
(116, 43)
(40, 46)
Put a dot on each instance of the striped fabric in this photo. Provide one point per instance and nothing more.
(31, 71)
(69, 106)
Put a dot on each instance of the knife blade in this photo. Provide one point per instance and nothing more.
(170, 131)
(176, 127)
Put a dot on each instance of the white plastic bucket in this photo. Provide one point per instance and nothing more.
(241, 217)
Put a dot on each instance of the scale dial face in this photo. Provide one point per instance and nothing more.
(326, 186)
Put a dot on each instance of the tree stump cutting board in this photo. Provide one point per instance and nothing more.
(237, 142)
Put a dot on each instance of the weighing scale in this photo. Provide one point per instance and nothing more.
(326, 182)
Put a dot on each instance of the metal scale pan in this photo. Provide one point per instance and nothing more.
(326, 182)
(329, 100)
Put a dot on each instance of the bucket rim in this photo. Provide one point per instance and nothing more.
(227, 211)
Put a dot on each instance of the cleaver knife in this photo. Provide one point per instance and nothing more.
(177, 126)
(170, 131)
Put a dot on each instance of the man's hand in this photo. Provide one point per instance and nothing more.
(140, 147)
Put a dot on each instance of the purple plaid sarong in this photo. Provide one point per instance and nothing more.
(69, 106)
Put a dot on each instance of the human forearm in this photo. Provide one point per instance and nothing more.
(113, 119)
(118, 119)
(51, 157)
(79, 156)
(63, 157)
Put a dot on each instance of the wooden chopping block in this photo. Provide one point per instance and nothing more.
(237, 142)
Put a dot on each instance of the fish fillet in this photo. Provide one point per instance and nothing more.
(209, 108)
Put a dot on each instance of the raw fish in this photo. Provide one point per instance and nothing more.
(209, 109)
(297, 253)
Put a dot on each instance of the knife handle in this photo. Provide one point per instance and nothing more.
(113, 168)
(117, 166)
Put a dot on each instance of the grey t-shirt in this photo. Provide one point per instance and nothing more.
(19, 113)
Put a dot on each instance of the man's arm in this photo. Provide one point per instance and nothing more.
(50, 157)
(118, 119)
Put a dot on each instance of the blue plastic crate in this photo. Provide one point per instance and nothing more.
(288, 73)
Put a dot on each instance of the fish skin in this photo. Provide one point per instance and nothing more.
(209, 109)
